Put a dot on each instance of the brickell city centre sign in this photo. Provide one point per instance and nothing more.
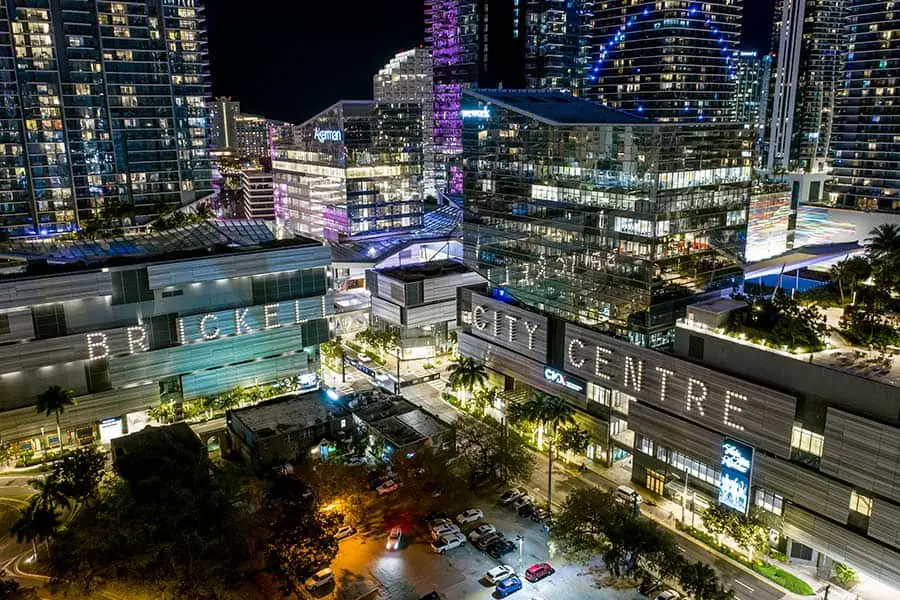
(755, 414)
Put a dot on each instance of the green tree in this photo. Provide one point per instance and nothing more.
(553, 412)
(164, 412)
(78, 473)
(488, 453)
(717, 521)
(856, 270)
(484, 398)
(50, 492)
(54, 402)
(466, 374)
(37, 522)
(700, 580)
(884, 242)
(573, 439)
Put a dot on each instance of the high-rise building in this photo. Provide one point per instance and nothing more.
(598, 215)
(258, 194)
(867, 121)
(222, 114)
(353, 170)
(671, 61)
(749, 83)
(498, 43)
(252, 137)
(809, 46)
(104, 105)
(409, 78)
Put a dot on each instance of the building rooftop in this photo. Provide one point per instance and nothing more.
(216, 236)
(423, 271)
(285, 414)
(400, 422)
(718, 305)
(373, 251)
(556, 108)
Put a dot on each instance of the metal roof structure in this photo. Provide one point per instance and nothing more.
(556, 108)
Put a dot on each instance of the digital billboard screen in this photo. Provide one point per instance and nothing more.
(737, 470)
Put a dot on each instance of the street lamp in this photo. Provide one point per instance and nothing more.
(684, 492)
(521, 541)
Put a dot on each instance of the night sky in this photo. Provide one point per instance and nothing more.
(290, 59)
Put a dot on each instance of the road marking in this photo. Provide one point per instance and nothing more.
(741, 583)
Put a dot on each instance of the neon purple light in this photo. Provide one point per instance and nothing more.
(442, 31)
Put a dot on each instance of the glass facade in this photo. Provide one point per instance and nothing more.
(618, 223)
(867, 125)
(351, 171)
(671, 61)
(103, 105)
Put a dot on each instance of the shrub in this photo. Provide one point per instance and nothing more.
(784, 579)
(845, 576)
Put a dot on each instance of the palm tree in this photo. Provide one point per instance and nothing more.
(699, 580)
(50, 492)
(466, 374)
(54, 401)
(36, 522)
(547, 410)
(838, 274)
(483, 398)
(884, 242)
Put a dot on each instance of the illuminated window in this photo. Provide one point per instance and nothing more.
(806, 441)
(769, 501)
(860, 504)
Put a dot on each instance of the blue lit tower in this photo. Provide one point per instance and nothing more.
(671, 61)
(867, 120)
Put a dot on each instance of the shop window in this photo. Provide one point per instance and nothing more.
(806, 445)
(769, 501)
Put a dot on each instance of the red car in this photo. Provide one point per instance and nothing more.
(538, 571)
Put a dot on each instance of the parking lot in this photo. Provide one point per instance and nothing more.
(365, 568)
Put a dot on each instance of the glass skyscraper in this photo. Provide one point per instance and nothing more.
(354, 170)
(103, 105)
(671, 61)
(866, 137)
(600, 216)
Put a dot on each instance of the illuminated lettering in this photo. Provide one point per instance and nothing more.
(209, 335)
(478, 318)
(475, 113)
(663, 380)
(98, 347)
(730, 407)
(240, 321)
(270, 316)
(530, 331)
(328, 135)
(600, 360)
(634, 373)
(511, 327)
(576, 361)
(139, 343)
(498, 323)
(695, 398)
(181, 336)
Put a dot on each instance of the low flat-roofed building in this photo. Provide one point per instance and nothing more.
(285, 429)
(134, 454)
(400, 425)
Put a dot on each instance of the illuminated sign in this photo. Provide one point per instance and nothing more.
(509, 326)
(566, 381)
(737, 468)
(328, 135)
(476, 113)
(207, 327)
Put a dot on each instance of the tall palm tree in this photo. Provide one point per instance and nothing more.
(466, 374)
(884, 241)
(547, 411)
(838, 274)
(36, 522)
(50, 492)
(53, 402)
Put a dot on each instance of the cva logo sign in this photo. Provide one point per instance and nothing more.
(567, 381)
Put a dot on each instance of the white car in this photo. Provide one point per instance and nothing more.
(522, 501)
(669, 595)
(320, 579)
(510, 495)
(481, 531)
(445, 530)
(627, 495)
(498, 574)
(388, 487)
(448, 542)
(393, 541)
(469, 516)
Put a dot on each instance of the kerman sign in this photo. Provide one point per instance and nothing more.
(757, 415)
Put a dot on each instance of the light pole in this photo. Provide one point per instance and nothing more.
(521, 541)
(684, 492)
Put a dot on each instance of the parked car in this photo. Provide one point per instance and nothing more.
(320, 579)
(344, 532)
(388, 487)
(393, 541)
(435, 515)
(627, 495)
(649, 588)
(445, 530)
(469, 516)
(501, 548)
(538, 571)
(485, 541)
(481, 531)
(435, 524)
(510, 495)
(448, 542)
(357, 460)
(508, 586)
(669, 595)
(498, 574)
(540, 515)
(522, 500)
(526, 510)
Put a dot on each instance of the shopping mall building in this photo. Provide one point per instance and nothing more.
(127, 323)
(811, 445)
